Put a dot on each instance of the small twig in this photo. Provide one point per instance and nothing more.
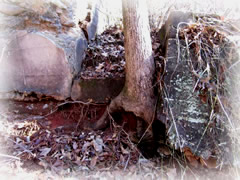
(234, 64)
(3, 50)
(59, 105)
(178, 41)
(153, 117)
(173, 119)
(76, 102)
(205, 130)
(132, 144)
(207, 69)
(9, 156)
(229, 120)
(125, 167)
(81, 117)
(22, 147)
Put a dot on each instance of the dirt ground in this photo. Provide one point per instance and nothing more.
(35, 147)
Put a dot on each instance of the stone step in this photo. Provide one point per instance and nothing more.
(97, 90)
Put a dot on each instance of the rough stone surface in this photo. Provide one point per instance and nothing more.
(187, 119)
(188, 116)
(97, 90)
(53, 50)
(32, 63)
(42, 49)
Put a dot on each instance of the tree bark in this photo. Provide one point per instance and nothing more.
(137, 95)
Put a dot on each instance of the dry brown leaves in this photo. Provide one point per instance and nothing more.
(105, 55)
(58, 150)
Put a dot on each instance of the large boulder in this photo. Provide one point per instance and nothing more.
(33, 63)
(192, 110)
(42, 49)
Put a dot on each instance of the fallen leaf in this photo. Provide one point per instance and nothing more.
(98, 144)
(124, 151)
(45, 151)
(93, 161)
(164, 150)
(99, 68)
(75, 146)
(193, 160)
(122, 159)
(105, 54)
(85, 146)
(210, 163)
(58, 163)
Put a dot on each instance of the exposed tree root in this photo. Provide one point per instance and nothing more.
(101, 123)
(123, 103)
(144, 110)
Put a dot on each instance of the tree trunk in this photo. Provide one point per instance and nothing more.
(137, 95)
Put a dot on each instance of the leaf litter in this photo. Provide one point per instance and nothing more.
(58, 150)
(105, 56)
(70, 153)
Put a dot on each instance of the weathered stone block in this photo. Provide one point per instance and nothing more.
(188, 116)
(189, 120)
(43, 49)
(32, 63)
(97, 90)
